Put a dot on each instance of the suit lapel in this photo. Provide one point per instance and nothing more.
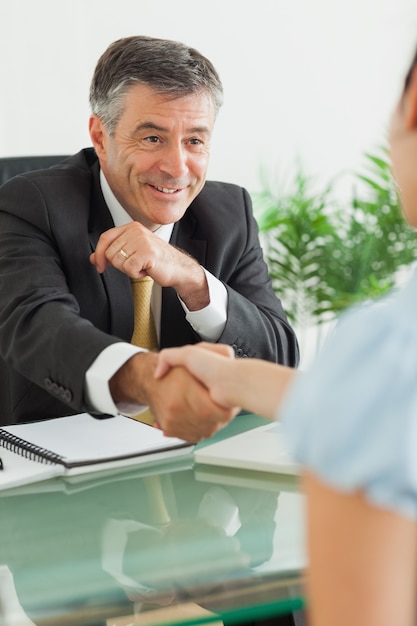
(175, 331)
(184, 236)
(116, 284)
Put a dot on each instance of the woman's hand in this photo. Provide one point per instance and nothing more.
(210, 363)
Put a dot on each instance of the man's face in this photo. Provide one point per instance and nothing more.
(156, 160)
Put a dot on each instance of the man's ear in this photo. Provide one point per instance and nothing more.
(98, 134)
(410, 101)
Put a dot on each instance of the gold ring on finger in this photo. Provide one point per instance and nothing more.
(123, 253)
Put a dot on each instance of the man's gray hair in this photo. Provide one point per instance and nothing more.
(168, 67)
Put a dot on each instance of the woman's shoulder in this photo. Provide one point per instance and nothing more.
(353, 416)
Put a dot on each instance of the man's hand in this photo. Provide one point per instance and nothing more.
(181, 406)
(136, 251)
(212, 364)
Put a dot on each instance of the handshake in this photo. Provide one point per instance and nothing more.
(220, 387)
(193, 391)
(198, 370)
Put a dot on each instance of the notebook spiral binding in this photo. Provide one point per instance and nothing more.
(28, 450)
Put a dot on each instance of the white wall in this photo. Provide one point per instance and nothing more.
(315, 78)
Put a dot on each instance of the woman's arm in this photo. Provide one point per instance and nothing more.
(253, 384)
(362, 560)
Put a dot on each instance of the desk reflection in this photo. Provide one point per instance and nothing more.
(127, 543)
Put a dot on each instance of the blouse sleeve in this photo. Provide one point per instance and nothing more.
(352, 419)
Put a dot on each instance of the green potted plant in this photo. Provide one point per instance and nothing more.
(325, 254)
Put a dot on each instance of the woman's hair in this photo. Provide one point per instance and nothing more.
(408, 76)
(169, 67)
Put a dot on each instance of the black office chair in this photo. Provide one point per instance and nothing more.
(11, 166)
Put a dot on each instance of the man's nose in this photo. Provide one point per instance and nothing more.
(174, 161)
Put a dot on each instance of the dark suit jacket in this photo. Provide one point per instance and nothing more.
(57, 313)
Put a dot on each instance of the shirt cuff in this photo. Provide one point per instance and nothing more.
(98, 375)
(209, 322)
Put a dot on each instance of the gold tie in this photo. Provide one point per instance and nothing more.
(144, 332)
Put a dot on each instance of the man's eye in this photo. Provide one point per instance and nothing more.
(152, 139)
(196, 142)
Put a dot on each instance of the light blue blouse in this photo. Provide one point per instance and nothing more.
(352, 418)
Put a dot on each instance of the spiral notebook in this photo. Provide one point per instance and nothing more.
(79, 444)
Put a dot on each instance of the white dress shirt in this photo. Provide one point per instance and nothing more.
(208, 323)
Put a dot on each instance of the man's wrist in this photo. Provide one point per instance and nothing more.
(196, 294)
(132, 382)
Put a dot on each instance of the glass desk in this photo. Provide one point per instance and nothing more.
(171, 543)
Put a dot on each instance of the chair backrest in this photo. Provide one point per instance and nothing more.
(11, 166)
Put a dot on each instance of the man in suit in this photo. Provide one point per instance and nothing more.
(136, 204)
